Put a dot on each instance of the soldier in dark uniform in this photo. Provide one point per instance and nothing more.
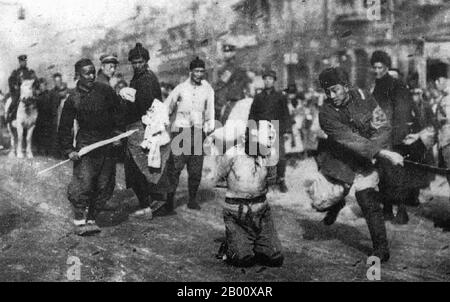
(108, 68)
(271, 105)
(99, 115)
(396, 101)
(358, 134)
(149, 185)
(14, 82)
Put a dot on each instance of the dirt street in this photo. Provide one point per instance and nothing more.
(36, 239)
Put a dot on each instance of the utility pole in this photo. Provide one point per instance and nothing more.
(194, 10)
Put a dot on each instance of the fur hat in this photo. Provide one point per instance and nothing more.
(333, 76)
(197, 63)
(138, 52)
(82, 63)
(380, 56)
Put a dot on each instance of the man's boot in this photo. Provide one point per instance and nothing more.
(369, 202)
(282, 186)
(333, 213)
(169, 208)
(192, 204)
(402, 217)
(388, 211)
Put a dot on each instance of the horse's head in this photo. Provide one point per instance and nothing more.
(28, 92)
(26, 89)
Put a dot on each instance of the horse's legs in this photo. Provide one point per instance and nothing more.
(29, 141)
(12, 151)
(19, 141)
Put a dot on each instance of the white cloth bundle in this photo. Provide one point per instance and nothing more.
(128, 94)
(322, 192)
(156, 135)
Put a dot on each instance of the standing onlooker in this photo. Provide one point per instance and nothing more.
(98, 112)
(193, 104)
(57, 81)
(45, 131)
(270, 105)
(148, 184)
(294, 143)
(394, 98)
(108, 68)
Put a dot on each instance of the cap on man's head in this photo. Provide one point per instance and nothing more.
(197, 63)
(82, 63)
(22, 57)
(270, 73)
(333, 76)
(382, 57)
(138, 52)
(109, 58)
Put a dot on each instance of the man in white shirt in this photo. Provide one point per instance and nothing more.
(191, 106)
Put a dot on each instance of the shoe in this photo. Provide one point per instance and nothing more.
(388, 213)
(157, 205)
(402, 217)
(382, 254)
(282, 186)
(222, 253)
(88, 229)
(194, 206)
(79, 222)
(147, 212)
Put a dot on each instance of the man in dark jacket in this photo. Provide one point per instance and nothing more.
(99, 115)
(271, 105)
(147, 183)
(358, 134)
(45, 131)
(14, 82)
(395, 99)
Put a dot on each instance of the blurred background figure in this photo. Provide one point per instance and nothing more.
(166, 89)
(45, 131)
(60, 99)
(294, 143)
(57, 82)
(107, 69)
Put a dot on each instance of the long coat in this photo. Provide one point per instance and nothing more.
(396, 182)
(396, 101)
(357, 132)
(136, 163)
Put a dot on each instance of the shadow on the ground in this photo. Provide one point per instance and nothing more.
(437, 209)
(350, 236)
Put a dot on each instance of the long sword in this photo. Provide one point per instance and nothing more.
(428, 168)
(87, 149)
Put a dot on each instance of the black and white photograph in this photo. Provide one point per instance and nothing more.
(225, 142)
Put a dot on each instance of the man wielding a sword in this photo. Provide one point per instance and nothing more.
(99, 114)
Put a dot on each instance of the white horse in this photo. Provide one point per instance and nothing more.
(25, 121)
